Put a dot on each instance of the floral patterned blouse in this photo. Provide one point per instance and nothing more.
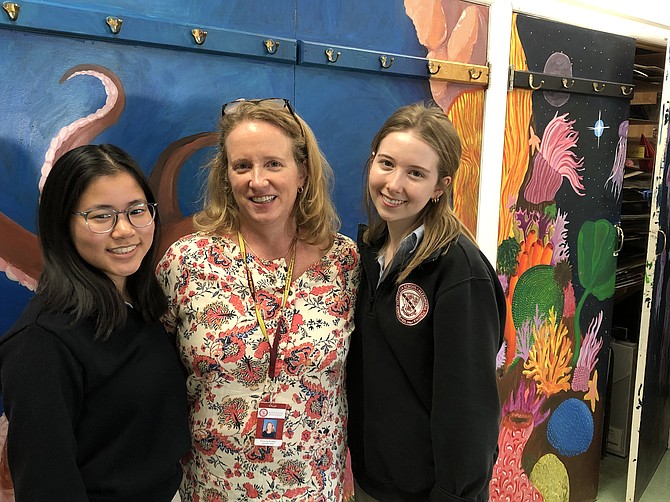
(211, 309)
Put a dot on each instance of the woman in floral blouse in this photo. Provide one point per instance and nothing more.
(261, 299)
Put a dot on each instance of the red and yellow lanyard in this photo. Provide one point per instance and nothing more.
(281, 321)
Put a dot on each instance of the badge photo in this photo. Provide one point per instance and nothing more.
(270, 424)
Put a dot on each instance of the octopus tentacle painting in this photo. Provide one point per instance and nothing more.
(164, 181)
(20, 257)
(84, 130)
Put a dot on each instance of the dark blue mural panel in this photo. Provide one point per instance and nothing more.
(256, 16)
(345, 109)
(382, 26)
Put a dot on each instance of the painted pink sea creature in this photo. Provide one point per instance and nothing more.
(616, 177)
(20, 256)
(555, 161)
(588, 356)
(559, 238)
(84, 130)
(521, 414)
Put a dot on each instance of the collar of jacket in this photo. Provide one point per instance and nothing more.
(368, 253)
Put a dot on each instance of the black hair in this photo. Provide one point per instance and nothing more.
(70, 284)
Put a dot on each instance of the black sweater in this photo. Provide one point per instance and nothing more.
(421, 378)
(92, 420)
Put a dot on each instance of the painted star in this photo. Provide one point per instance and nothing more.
(592, 395)
(598, 128)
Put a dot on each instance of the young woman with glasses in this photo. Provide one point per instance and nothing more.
(92, 386)
(261, 300)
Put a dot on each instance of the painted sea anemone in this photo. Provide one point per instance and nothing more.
(588, 356)
(555, 161)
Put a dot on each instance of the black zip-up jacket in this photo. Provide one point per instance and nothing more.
(421, 377)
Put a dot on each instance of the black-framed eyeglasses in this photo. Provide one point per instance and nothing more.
(103, 220)
(272, 103)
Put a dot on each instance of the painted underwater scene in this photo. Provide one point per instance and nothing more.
(560, 194)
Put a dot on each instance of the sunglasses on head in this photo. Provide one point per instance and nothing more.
(271, 103)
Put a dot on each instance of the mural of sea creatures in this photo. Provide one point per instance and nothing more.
(164, 179)
(521, 414)
(20, 257)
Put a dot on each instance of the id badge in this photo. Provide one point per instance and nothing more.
(270, 424)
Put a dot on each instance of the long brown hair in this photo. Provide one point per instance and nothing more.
(429, 123)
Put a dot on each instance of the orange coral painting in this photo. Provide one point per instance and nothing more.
(457, 31)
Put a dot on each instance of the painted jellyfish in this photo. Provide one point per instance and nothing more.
(588, 356)
(521, 414)
(616, 177)
(554, 161)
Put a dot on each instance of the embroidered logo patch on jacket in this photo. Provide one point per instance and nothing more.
(411, 304)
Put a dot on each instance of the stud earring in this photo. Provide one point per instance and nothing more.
(435, 200)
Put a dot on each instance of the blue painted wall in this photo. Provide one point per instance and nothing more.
(175, 89)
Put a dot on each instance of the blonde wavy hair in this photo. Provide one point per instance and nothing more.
(429, 123)
(315, 216)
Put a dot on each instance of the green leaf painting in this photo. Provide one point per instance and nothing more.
(596, 265)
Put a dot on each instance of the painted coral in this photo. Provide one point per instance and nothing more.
(523, 340)
(588, 356)
(555, 161)
(526, 401)
(549, 359)
(559, 237)
(521, 414)
(509, 481)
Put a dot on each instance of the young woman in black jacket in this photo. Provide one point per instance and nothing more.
(423, 400)
(92, 385)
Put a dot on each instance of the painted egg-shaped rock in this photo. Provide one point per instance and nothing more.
(550, 477)
(570, 428)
